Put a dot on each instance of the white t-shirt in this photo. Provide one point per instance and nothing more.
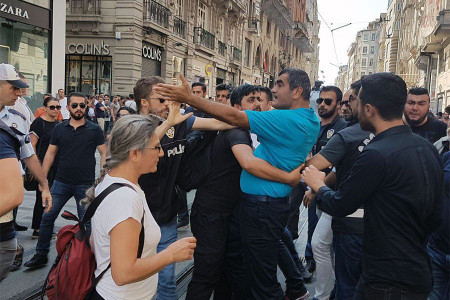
(117, 207)
(64, 111)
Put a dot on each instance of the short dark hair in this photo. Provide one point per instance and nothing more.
(447, 109)
(267, 91)
(60, 90)
(419, 91)
(128, 109)
(199, 84)
(356, 86)
(298, 78)
(224, 87)
(386, 92)
(240, 92)
(48, 99)
(331, 88)
(75, 94)
(143, 89)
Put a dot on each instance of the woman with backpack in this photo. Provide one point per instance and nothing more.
(118, 221)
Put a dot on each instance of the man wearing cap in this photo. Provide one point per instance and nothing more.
(10, 85)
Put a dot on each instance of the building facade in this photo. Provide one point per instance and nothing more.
(30, 34)
(342, 78)
(111, 44)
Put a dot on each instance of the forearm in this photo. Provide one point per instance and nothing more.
(330, 180)
(161, 130)
(142, 268)
(220, 111)
(318, 161)
(36, 170)
(48, 162)
(262, 169)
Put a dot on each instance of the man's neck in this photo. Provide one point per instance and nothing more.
(385, 125)
(324, 122)
(77, 123)
(418, 125)
(300, 104)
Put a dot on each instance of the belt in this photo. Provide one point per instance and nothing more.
(266, 199)
(357, 214)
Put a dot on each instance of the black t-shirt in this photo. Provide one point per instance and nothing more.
(98, 112)
(222, 191)
(432, 130)
(76, 149)
(43, 131)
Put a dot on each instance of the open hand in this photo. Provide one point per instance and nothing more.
(175, 117)
(183, 249)
(179, 93)
(313, 178)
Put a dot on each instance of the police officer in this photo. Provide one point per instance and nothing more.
(10, 85)
(341, 151)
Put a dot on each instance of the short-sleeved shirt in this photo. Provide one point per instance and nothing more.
(222, 192)
(432, 130)
(286, 138)
(98, 112)
(76, 149)
(43, 131)
(117, 207)
(115, 107)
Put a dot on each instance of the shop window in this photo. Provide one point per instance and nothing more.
(86, 72)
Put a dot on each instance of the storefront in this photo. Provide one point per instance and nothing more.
(88, 67)
(26, 43)
(152, 57)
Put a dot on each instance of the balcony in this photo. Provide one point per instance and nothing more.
(235, 8)
(236, 55)
(222, 47)
(253, 25)
(83, 7)
(443, 24)
(179, 27)
(204, 40)
(300, 38)
(157, 14)
(278, 13)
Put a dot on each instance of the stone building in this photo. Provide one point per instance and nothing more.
(111, 44)
(342, 79)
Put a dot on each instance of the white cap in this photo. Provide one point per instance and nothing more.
(9, 73)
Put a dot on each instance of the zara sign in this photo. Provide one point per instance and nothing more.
(25, 12)
(151, 52)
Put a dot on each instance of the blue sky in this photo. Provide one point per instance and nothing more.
(337, 13)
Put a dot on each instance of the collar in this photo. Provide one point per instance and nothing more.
(67, 123)
(332, 122)
(4, 113)
(392, 131)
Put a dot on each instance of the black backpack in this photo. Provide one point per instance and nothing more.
(196, 163)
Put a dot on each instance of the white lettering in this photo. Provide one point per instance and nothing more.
(151, 52)
(175, 151)
(94, 49)
(15, 11)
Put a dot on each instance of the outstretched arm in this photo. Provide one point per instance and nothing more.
(261, 168)
(210, 124)
(174, 118)
(182, 93)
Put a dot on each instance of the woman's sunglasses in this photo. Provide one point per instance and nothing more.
(327, 101)
(75, 105)
(53, 107)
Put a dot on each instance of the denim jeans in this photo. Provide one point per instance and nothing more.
(367, 291)
(312, 222)
(286, 262)
(61, 193)
(261, 226)
(167, 289)
(7, 254)
(441, 274)
(347, 268)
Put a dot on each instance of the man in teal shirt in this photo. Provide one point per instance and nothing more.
(287, 135)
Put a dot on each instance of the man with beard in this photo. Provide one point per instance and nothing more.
(223, 92)
(416, 116)
(320, 236)
(345, 107)
(341, 151)
(388, 177)
(75, 140)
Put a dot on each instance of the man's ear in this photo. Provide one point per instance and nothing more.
(237, 106)
(297, 92)
(145, 103)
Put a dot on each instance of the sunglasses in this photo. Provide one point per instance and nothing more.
(327, 101)
(344, 103)
(53, 107)
(75, 105)
(157, 148)
(161, 100)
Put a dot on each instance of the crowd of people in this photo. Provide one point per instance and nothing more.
(371, 164)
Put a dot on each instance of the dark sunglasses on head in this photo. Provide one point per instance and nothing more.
(53, 107)
(327, 101)
(161, 100)
(75, 105)
(344, 103)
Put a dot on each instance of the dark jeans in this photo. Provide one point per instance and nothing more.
(312, 222)
(262, 224)
(286, 262)
(295, 201)
(366, 291)
(441, 274)
(347, 263)
(211, 231)
(61, 193)
(183, 214)
(38, 209)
